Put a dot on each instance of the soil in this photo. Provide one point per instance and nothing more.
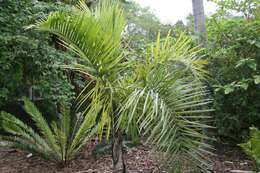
(139, 159)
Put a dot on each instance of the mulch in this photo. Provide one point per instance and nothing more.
(140, 159)
(230, 158)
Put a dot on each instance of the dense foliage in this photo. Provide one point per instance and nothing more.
(28, 59)
(234, 50)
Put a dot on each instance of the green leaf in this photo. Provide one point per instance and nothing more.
(228, 90)
(257, 44)
(250, 62)
(244, 86)
(257, 79)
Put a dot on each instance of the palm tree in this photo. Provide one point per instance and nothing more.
(199, 19)
(159, 95)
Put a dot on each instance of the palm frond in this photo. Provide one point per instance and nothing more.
(169, 103)
(42, 124)
(94, 37)
(59, 142)
(179, 52)
(22, 135)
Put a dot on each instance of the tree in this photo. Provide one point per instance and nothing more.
(159, 94)
(199, 19)
(246, 8)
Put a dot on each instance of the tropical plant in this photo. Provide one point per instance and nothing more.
(252, 146)
(159, 94)
(58, 142)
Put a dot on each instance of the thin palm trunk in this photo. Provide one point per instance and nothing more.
(199, 20)
(117, 153)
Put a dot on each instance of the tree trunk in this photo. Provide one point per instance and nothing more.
(117, 153)
(199, 20)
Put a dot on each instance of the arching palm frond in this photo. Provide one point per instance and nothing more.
(180, 51)
(94, 37)
(169, 105)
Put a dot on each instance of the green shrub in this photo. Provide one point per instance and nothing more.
(233, 45)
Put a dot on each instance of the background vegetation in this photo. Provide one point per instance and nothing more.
(234, 56)
(29, 58)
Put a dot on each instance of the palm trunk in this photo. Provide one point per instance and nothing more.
(117, 153)
(199, 20)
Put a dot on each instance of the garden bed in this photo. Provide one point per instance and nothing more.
(230, 158)
(139, 160)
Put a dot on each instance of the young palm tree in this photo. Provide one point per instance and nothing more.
(159, 95)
